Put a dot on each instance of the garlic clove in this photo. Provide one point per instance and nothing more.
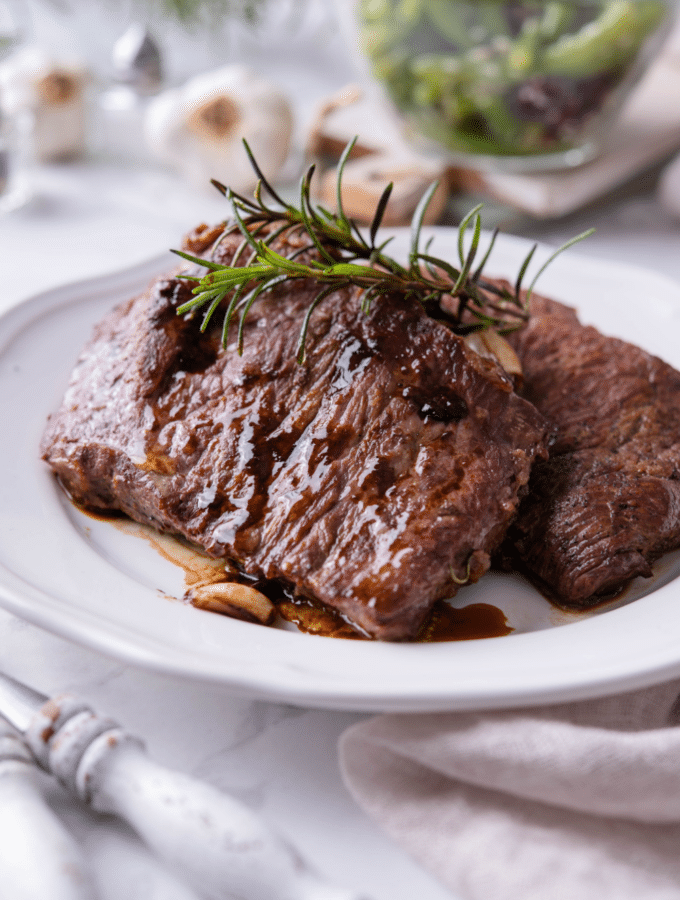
(365, 179)
(233, 599)
(198, 129)
(492, 345)
(54, 92)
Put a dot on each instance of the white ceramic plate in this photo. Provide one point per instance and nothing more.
(90, 581)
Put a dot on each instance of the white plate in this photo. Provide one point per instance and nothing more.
(94, 583)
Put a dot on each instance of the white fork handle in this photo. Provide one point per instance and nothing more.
(218, 846)
(216, 843)
(38, 857)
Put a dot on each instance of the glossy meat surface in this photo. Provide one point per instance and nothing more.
(370, 478)
(607, 502)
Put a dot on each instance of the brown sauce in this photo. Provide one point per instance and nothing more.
(114, 516)
(478, 620)
(446, 623)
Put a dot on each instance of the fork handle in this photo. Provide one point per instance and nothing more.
(214, 842)
(218, 844)
(38, 857)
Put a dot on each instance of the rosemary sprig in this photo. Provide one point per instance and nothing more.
(336, 254)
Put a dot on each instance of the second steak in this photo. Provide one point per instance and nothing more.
(607, 502)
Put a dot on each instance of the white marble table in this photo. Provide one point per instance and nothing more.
(90, 219)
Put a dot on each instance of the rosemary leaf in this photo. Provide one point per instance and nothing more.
(380, 211)
(197, 260)
(486, 256)
(305, 324)
(522, 271)
(565, 246)
(213, 306)
(342, 219)
(417, 223)
(462, 228)
(270, 190)
(472, 252)
(337, 254)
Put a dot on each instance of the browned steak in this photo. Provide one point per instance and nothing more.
(607, 502)
(369, 478)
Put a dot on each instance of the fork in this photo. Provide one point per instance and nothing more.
(38, 857)
(217, 845)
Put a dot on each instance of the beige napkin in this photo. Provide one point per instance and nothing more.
(573, 802)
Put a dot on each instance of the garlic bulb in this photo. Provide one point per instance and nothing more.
(198, 128)
(54, 93)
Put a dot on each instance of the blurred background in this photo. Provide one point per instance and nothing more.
(116, 115)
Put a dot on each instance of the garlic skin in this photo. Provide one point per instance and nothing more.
(54, 93)
(198, 129)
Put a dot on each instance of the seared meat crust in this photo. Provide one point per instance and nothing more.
(368, 479)
(606, 503)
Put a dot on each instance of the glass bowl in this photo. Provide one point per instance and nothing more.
(516, 84)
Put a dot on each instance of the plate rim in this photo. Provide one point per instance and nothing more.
(24, 601)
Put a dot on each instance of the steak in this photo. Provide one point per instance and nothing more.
(371, 479)
(606, 503)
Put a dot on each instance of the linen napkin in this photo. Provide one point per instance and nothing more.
(579, 801)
